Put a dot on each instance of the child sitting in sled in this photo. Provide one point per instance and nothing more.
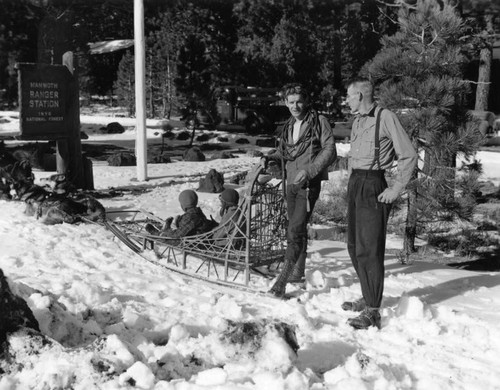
(192, 222)
(229, 210)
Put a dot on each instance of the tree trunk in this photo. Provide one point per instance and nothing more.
(410, 225)
(164, 106)
(151, 90)
(337, 58)
(192, 137)
(411, 215)
(484, 72)
(131, 97)
(483, 80)
(169, 85)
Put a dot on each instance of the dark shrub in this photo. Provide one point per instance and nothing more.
(194, 154)
(114, 128)
(213, 182)
(122, 159)
(266, 142)
(184, 135)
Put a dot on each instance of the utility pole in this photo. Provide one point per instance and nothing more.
(140, 88)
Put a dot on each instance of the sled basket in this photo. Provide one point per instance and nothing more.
(254, 242)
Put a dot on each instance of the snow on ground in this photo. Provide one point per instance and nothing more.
(119, 322)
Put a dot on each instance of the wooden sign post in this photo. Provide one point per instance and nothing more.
(50, 110)
(74, 141)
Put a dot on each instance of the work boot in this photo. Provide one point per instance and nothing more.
(279, 286)
(297, 280)
(370, 316)
(358, 305)
(276, 293)
(298, 272)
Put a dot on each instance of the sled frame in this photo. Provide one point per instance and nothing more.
(255, 246)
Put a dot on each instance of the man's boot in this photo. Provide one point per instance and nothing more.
(299, 269)
(298, 272)
(370, 316)
(279, 287)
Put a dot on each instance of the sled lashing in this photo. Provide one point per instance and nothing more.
(256, 243)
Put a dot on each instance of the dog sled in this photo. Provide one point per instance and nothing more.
(255, 245)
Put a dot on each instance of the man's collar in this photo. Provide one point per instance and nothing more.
(371, 112)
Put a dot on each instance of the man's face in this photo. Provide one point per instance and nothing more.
(353, 99)
(297, 106)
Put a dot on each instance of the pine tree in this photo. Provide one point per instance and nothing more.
(190, 48)
(162, 46)
(124, 85)
(83, 74)
(420, 69)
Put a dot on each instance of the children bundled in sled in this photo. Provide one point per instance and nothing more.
(194, 221)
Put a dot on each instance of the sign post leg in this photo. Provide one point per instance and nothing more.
(75, 163)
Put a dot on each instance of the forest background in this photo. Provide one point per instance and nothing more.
(195, 49)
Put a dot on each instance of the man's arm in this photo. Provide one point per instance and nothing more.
(276, 155)
(328, 152)
(406, 155)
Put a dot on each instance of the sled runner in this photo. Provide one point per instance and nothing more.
(255, 244)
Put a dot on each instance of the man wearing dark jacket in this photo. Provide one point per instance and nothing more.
(306, 149)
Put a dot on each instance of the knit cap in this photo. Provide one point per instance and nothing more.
(188, 199)
(230, 196)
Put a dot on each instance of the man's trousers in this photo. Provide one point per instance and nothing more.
(366, 231)
(300, 203)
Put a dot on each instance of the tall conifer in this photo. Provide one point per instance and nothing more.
(124, 86)
(419, 73)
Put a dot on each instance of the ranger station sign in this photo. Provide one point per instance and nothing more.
(44, 92)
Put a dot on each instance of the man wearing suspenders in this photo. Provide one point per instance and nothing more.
(377, 140)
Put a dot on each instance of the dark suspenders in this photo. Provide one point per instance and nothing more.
(376, 156)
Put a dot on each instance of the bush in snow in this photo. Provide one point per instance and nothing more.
(193, 154)
(14, 314)
(251, 333)
(122, 159)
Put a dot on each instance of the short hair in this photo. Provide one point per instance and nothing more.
(294, 89)
(363, 85)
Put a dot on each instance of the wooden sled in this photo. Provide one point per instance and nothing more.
(256, 244)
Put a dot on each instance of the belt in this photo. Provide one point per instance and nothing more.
(368, 172)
